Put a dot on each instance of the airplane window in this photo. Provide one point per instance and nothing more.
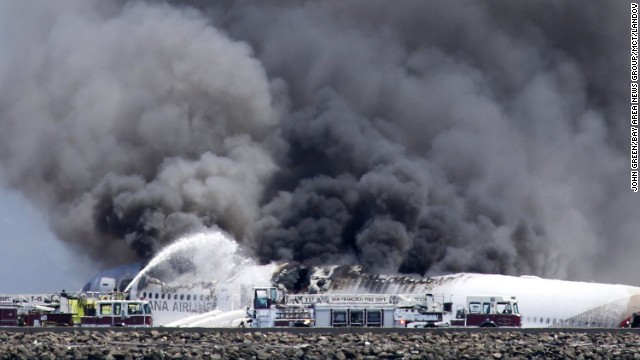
(156, 295)
(181, 296)
(188, 297)
(175, 297)
(163, 295)
(547, 320)
(144, 294)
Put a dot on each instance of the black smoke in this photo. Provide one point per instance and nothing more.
(416, 137)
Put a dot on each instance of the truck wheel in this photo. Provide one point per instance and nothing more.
(488, 324)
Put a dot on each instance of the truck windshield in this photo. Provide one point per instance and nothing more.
(134, 309)
(504, 308)
(261, 299)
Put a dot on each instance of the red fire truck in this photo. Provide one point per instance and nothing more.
(32, 315)
(108, 312)
(488, 311)
(632, 321)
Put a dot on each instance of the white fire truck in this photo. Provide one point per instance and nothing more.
(270, 309)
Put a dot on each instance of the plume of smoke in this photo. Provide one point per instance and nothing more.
(133, 123)
(449, 136)
(420, 137)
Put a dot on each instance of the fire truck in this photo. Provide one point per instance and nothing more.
(632, 321)
(78, 312)
(488, 311)
(12, 314)
(270, 309)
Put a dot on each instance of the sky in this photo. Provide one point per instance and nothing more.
(32, 260)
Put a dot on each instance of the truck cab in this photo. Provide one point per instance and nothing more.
(489, 311)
